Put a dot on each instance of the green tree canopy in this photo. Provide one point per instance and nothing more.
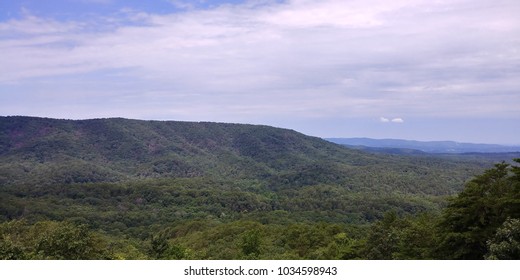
(50, 240)
(473, 217)
(505, 245)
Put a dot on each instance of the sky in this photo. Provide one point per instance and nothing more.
(408, 69)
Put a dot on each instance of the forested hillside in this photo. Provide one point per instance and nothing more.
(39, 151)
(119, 188)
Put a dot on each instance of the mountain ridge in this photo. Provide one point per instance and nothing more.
(42, 151)
(145, 148)
(438, 147)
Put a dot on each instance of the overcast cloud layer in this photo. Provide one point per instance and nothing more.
(291, 63)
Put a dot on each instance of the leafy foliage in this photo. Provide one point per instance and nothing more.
(49, 240)
(505, 245)
(473, 217)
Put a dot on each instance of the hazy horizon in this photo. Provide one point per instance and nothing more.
(414, 70)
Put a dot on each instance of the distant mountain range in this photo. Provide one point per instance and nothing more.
(400, 146)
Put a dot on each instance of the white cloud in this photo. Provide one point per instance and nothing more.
(333, 58)
(394, 120)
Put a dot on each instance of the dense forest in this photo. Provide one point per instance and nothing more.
(129, 189)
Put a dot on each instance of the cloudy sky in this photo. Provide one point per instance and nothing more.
(412, 69)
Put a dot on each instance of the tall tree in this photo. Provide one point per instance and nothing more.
(473, 217)
(505, 245)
